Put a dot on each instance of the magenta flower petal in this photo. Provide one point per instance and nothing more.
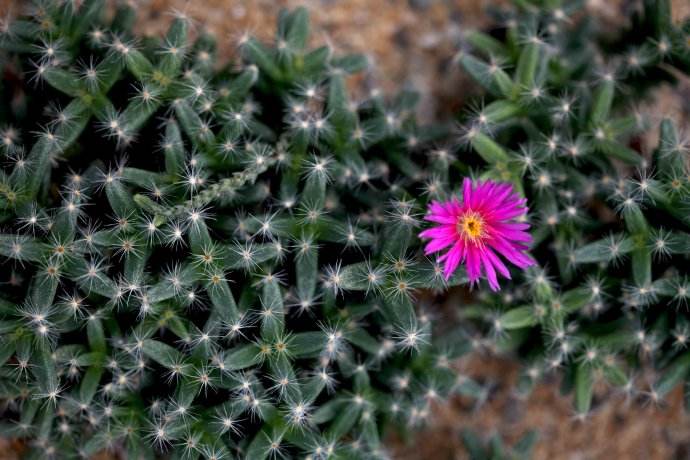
(490, 272)
(453, 259)
(473, 267)
(498, 263)
(479, 231)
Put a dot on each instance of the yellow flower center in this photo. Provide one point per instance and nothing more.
(471, 226)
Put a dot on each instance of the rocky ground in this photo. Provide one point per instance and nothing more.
(411, 43)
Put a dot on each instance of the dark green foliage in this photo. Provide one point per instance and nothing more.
(210, 261)
(205, 262)
(610, 223)
(495, 449)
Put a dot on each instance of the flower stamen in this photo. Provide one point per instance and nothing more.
(471, 227)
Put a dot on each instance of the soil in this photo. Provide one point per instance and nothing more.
(409, 43)
(618, 427)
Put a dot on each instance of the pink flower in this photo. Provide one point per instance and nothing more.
(479, 229)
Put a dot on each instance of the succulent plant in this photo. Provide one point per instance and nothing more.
(494, 448)
(610, 222)
(208, 260)
(215, 260)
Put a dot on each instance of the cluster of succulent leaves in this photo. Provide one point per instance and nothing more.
(610, 223)
(219, 260)
(494, 448)
(178, 237)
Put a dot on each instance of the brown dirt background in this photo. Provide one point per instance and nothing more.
(410, 43)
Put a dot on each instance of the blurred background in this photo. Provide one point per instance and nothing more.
(411, 44)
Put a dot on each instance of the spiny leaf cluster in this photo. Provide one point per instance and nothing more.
(611, 226)
(207, 260)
